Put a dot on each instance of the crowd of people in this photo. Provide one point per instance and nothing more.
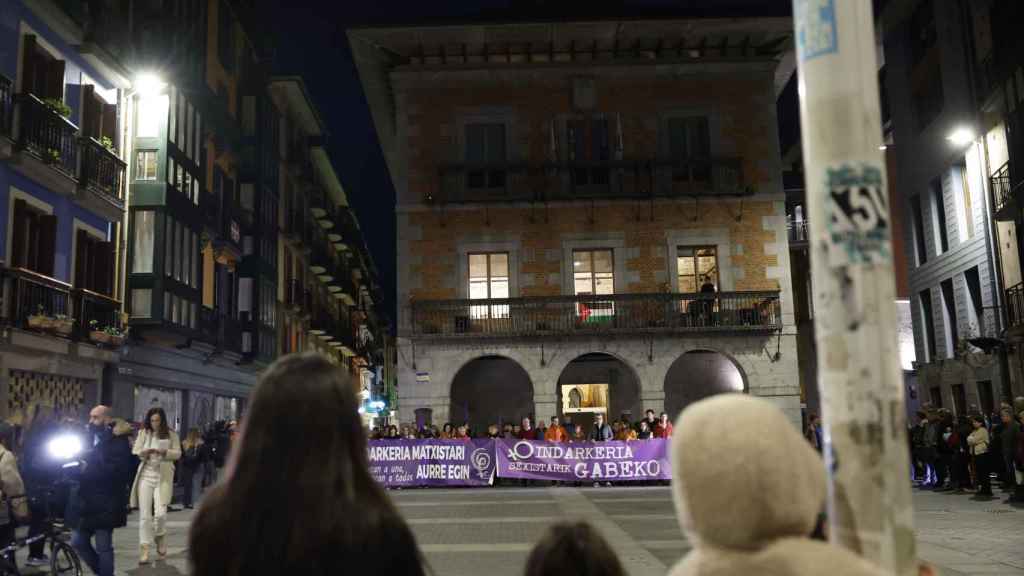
(115, 466)
(311, 507)
(556, 430)
(962, 454)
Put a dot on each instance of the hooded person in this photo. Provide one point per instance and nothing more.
(748, 502)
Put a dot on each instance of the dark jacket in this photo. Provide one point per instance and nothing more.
(601, 433)
(1009, 439)
(102, 498)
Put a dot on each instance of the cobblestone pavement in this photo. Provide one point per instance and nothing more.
(490, 531)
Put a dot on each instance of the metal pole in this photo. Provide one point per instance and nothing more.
(869, 503)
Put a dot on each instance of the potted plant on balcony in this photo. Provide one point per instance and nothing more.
(40, 320)
(58, 106)
(96, 334)
(63, 324)
(51, 156)
(107, 143)
(115, 337)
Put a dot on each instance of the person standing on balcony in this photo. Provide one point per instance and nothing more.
(555, 432)
(158, 447)
(664, 428)
(602, 432)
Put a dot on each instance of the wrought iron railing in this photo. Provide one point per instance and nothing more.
(91, 306)
(102, 170)
(1001, 187)
(588, 314)
(34, 301)
(797, 232)
(1015, 305)
(47, 134)
(6, 105)
(220, 330)
(633, 178)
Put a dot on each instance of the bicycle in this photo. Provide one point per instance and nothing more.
(64, 561)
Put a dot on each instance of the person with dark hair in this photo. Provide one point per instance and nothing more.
(1008, 448)
(158, 447)
(101, 501)
(979, 445)
(645, 432)
(448, 431)
(573, 548)
(309, 507)
(191, 461)
(813, 432)
(664, 427)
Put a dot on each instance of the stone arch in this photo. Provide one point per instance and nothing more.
(624, 384)
(700, 373)
(490, 389)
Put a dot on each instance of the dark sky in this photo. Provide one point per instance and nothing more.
(309, 40)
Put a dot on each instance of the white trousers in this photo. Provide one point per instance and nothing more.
(152, 508)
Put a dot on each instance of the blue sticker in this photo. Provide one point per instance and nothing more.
(815, 28)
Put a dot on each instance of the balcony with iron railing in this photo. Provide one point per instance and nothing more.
(46, 134)
(103, 173)
(33, 301)
(739, 312)
(798, 233)
(629, 179)
(1015, 306)
(220, 330)
(96, 311)
(1004, 193)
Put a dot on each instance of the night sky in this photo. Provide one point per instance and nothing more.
(309, 40)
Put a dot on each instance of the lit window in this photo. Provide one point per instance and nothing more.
(152, 116)
(593, 274)
(143, 241)
(697, 269)
(489, 279)
(145, 165)
(142, 302)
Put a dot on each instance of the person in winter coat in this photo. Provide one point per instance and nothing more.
(192, 454)
(645, 432)
(1009, 440)
(12, 489)
(101, 501)
(758, 520)
(664, 428)
(978, 442)
(158, 447)
(601, 432)
(555, 432)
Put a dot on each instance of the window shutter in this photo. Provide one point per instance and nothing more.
(108, 122)
(46, 253)
(82, 267)
(599, 136)
(29, 65)
(90, 115)
(55, 79)
(18, 231)
(103, 281)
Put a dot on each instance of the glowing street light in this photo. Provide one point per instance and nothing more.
(961, 136)
(148, 84)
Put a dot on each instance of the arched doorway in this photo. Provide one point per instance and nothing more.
(490, 390)
(698, 374)
(595, 383)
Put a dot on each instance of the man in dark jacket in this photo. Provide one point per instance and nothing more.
(602, 432)
(1008, 441)
(102, 499)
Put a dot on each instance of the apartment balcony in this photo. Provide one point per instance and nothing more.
(32, 301)
(101, 179)
(1004, 192)
(609, 179)
(343, 339)
(96, 311)
(49, 142)
(700, 313)
(1015, 307)
(297, 298)
(298, 230)
(798, 233)
(6, 115)
(222, 218)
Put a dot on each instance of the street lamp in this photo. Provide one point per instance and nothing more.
(148, 84)
(961, 136)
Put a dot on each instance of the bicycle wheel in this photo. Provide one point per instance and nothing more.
(64, 560)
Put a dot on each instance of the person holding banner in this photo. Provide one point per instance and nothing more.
(555, 432)
(602, 432)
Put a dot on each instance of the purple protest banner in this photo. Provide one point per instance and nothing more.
(584, 461)
(432, 462)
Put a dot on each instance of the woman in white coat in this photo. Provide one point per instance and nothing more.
(157, 447)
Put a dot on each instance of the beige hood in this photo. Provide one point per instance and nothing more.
(748, 489)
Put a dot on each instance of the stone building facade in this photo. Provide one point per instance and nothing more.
(565, 193)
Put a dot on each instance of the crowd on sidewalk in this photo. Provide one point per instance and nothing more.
(557, 430)
(964, 454)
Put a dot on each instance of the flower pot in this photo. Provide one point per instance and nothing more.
(99, 336)
(40, 322)
(64, 327)
(116, 340)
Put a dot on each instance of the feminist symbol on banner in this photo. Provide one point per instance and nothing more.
(481, 459)
(858, 216)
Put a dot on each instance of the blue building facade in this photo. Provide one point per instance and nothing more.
(62, 193)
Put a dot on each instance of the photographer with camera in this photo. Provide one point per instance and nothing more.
(101, 502)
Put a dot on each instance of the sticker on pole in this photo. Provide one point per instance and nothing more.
(857, 206)
(815, 28)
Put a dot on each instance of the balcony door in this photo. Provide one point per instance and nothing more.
(489, 279)
(593, 276)
(486, 156)
(33, 238)
(94, 263)
(42, 75)
(589, 147)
